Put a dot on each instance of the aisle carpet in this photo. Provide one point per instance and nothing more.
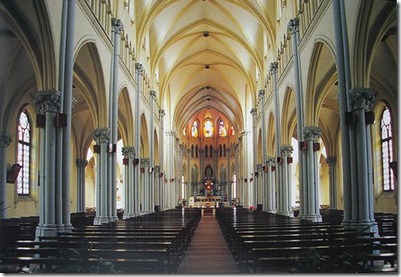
(208, 252)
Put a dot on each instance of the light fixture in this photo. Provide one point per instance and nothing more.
(207, 66)
(205, 34)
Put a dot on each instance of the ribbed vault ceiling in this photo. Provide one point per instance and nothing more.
(207, 52)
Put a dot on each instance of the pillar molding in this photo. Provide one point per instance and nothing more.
(311, 187)
(48, 103)
(129, 164)
(286, 189)
(332, 162)
(81, 163)
(362, 191)
(145, 170)
(271, 185)
(102, 138)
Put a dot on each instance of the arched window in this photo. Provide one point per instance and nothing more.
(387, 150)
(208, 128)
(24, 153)
(195, 130)
(206, 151)
(232, 130)
(222, 129)
(211, 151)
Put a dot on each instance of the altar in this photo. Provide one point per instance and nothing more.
(205, 201)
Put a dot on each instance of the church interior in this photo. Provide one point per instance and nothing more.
(199, 136)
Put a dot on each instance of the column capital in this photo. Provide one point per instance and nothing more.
(5, 139)
(139, 69)
(254, 111)
(157, 168)
(153, 93)
(259, 167)
(261, 94)
(270, 161)
(293, 25)
(273, 68)
(80, 162)
(331, 160)
(129, 151)
(286, 150)
(162, 112)
(101, 135)
(171, 133)
(47, 100)
(145, 162)
(117, 26)
(312, 133)
(362, 98)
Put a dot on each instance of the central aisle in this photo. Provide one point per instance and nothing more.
(208, 252)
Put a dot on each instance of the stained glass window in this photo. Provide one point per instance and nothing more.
(387, 150)
(24, 150)
(222, 129)
(208, 128)
(195, 131)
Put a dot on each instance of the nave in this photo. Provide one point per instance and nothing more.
(196, 241)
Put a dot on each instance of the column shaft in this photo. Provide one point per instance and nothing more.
(5, 140)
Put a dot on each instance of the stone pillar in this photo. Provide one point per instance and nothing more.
(81, 164)
(271, 187)
(102, 138)
(348, 159)
(332, 161)
(362, 194)
(64, 135)
(5, 140)
(137, 172)
(229, 177)
(293, 28)
(146, 171)
(263, 185)
(286, 191)
(161, 158)
(189, 186)
(311, 188)
(117, 29)
(129, 167)
(253, 189)
(259, 179)
(47, 103)
(153, 96)
(158, 176)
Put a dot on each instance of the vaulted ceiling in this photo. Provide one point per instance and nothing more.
(206, 53)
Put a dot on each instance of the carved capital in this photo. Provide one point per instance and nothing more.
(139, 69)
(5, 139)
(162, 112)
(259, 168)
(102, 135)
(157, 168)
(312, 133)
(145, 162)
(153, 94)
(362, 98)
(273, 68)
(261, 94)
(81, 162)
(117, 26)
(254, 112)
(47, 101)
(286, 150)
(293, 25)
(270, 161)
(331, 160)
(128, 152)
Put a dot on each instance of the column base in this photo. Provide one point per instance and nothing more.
(100, 220)
(286, 213)
(47, 230)
(365, 226)
(311, 217)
